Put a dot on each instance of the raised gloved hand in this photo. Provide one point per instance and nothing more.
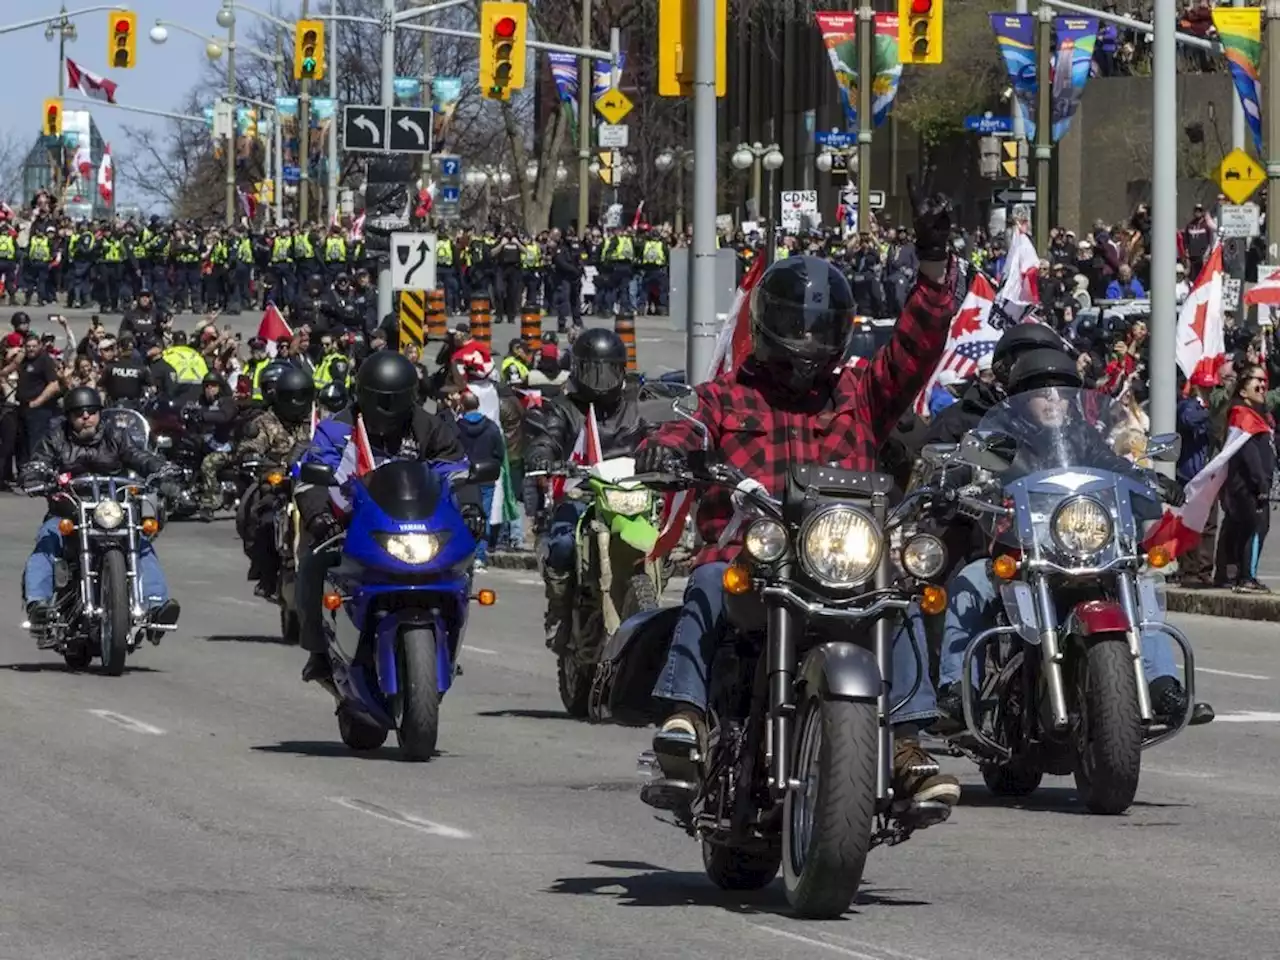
(657, 458)
(931, 221)
(537, 462)
(1170, 490)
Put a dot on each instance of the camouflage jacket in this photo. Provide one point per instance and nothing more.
(276, 440)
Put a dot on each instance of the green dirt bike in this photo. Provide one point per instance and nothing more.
(613, 576)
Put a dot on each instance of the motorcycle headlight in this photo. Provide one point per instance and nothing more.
(108, 514)
(924, 556)
(628, 502)
(840, 546)
(1081, 526)
(765, 540)
(411, 548)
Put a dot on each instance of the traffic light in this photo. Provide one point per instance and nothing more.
(608, 175)
(122, 40)
(920, 31)
(53, 117)
(504, 30)
(308, 50)
(677, 47)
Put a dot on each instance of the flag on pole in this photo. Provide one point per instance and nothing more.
(106, 176)
(273, 327)
(83, 161)
(1201, 336)
(972, 336)
(734, 342)
(364, 462)
(586, 451)
(1021, 270)
(1180, 529)
(90, 84)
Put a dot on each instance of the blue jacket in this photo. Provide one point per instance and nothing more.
(1128, 291)
(1194, 426)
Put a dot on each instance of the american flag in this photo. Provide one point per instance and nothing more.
(973, 335)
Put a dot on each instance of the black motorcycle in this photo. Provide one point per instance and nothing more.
(179, 435)
(799, 761)
(98, 607)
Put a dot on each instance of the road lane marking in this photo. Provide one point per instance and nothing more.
(1231, 673)
(401, 819)
(836, 948)
(128, 723)
(468, 648)
(528, 582)
(1248, 716)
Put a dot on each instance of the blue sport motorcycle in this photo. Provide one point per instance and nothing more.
(395, 605)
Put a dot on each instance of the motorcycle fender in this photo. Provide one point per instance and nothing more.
(1096, 616)
(636, 532)
(841, 671)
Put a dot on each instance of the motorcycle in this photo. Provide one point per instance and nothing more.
(615, 578)
(1061, 686)
(176, 436)
(799, 754)
(395, 606)
(98, 608)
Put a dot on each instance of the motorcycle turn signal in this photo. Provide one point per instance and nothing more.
(486, 598)
(933, 600)
(736, 579)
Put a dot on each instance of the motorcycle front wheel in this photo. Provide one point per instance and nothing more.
(1109, 739)
(419, 724)
(574, 680)
(827, 819)
(113, 595)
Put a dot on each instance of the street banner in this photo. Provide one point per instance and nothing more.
(1016, 36)
(1240, 32)
(407, 91)
(287, 115)
(1076, 37)
(319, 120)
(840, 34)
(564, 71)
(446, 93)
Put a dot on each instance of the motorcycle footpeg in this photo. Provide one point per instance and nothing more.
(672, 795)
(923, 813)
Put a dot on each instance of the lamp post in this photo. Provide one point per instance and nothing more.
(757, 157)
(65, 30)
(679, 160)
(826, 162)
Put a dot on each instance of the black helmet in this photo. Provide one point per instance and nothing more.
(386, 391)
(1016, 341)
(81, 398)
(801, 319)
(1043, 367)
(212, 377)
(599, 366)
(333, 396)
(293, 395)
(270, 377)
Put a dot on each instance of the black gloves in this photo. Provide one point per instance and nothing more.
(1170, 490)
(931, 220)
(323, 526)
(656, 458)
(537, 462)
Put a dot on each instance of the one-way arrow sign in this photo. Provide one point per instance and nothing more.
(413, 261)
(410, 130)
(364, 128)
(1011, 195)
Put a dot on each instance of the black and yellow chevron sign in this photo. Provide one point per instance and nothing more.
(413, 315)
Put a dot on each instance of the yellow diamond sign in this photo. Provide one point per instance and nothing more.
(1239, 176)
(614, 105)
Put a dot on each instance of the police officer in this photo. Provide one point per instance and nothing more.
(653, 272)
(507, 258)
(82, 250)
(239, 271)
(181, 370)
(619, 257)
(124, 379)
(335, 253)
(568, 266)
(9, 262)
(447, 275)
(531, 264)
(35, 273)
(255, 365)
(111, 269)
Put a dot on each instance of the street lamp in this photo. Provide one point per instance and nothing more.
(824, 162)
(758, 157)
(680, 160)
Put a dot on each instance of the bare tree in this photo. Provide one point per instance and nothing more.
(175, 167)
(13, 155)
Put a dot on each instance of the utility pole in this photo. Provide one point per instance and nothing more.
(866, 39)
(1237, 109)
(1164, 201)
(304, 140)
(584, 126)
(388, 27)
(1044, 121)
(277, 188)
(424, 161)
(331, 181)
(231, 136)
(1015, 114)
(703, 328)
(1273, 131)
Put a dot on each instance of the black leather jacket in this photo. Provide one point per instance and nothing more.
(108, 451)
(551, 430)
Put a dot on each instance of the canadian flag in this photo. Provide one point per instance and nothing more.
(364, 452)
(586, 451)
(1021, 271)
(1200, 342)
(106, 176)
(1267, 290)
(734, 343)
(273, 327)
(90, 84)
(1180, 528)
(83, 161)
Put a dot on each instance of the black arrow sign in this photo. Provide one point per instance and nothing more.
(403, 253)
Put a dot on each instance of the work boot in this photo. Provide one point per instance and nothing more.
(679, 749)
(1169, 703)
(318, 668)
(559, 616)
(205, 514)
(165, 615)
(950, 711)
(916, 776)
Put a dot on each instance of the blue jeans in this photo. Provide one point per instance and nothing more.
(37, 581)
(971, 599)
(688, 671)
(486, 504)
(560, 542)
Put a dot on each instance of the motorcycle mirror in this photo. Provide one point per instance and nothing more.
(686, 408)
(163, 443)
(1166, 447)
(317, 474)
(484, 471)
(937, 454)
(988, 450)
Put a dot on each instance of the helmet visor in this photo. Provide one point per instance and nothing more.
(600, 376)
(812, 328)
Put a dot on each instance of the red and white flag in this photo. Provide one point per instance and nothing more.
(90, 84)
(1180, 529)
(364, 452)
(106, 176)
(1201, 340)
(972, 336)
(1021, 271)
(83, 161)
(734, 343)
(586, 451)
(357, 227)
(272, 328)
(1266, 292)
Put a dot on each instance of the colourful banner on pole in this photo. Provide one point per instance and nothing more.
(840, 35)
(287, 114)
(1016, 35)
(407, 91)
(1240, 32)
(446, 94)
(320, 119)
(1072, 60)
(564, 71)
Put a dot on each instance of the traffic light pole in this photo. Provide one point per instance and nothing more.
(231, 134)
(702, 326)
(584, 126)
(1044, 121)
(304, 142)
(388, 26)
(866, 123)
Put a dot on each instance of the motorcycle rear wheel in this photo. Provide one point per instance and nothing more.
(113, 595)
(419, 694)
(735, 868)
(826, 823)
(77, 658)
(574, 680)
(1109, 744)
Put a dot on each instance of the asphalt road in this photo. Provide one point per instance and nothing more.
(202, 806)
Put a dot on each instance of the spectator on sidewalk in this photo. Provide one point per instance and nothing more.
(482, 440)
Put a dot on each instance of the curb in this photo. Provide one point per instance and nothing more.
(1224, 603)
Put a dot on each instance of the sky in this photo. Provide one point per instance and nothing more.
(161, 78)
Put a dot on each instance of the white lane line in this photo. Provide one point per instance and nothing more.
(128, 723)
(1230, 673)
(401, 819)
(834, 948)
(1248, 716)
(468, 648)
(528, 582)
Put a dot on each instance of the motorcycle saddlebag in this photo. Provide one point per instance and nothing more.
(630, 662)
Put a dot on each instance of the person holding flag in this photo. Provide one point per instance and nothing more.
(383, 423)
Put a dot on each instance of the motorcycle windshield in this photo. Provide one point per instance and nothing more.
(129, 422)
(405, 490)
(1060, 458)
